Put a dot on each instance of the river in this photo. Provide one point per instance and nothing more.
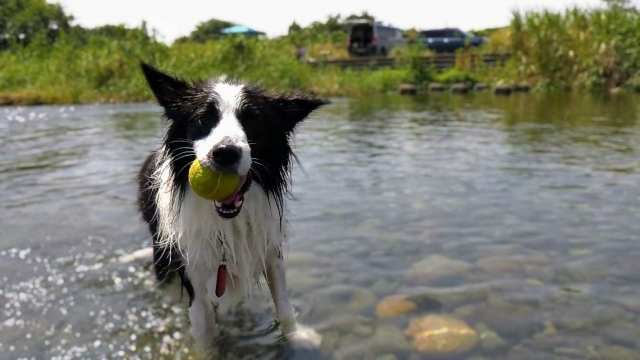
(514, 218)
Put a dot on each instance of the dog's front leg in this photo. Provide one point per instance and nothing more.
(202, 315)
(276, 279)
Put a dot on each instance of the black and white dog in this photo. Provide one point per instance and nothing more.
(218, 250)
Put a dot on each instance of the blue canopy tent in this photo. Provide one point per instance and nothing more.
(240, 29)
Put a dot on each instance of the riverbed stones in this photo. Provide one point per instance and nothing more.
(447, 295)
(382, 286)
(358, 299)
(299, 281)
(549, 330)
(480, 86)
(395, 305)
(390, 338)
(495, 265)
(387, 357)
(616, 352)
(585, 318)
(362, 330)
(503, 89)
(521, 87)
(629, 302)
(299, 258)
(407, 89)
(349, 344)
(489, 339)
(459, 88)
(437, 267)
(441, 335)
(329, 342)
(623, 333)
(616, 90)
(436, 87)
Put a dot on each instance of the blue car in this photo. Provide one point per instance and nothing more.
(448, 40)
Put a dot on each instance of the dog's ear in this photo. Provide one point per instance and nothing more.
(293, 108)
(167, 89)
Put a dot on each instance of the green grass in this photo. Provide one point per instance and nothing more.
(578, 49)
(107, 70)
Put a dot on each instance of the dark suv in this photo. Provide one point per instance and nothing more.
(448, 40)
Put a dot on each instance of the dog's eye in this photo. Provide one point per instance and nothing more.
(247, 114)
(201, 127)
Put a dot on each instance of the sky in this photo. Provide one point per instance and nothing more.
(173, 19)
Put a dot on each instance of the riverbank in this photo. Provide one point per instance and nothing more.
(576, 50)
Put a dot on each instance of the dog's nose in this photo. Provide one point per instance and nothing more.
(226, 155)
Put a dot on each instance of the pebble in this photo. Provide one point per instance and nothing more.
(394, 306)
(358, 299)
(329, 341)
(437, 267)
(407, 89)
(489, 339)
(390, 338)
(441, 335)
(495, 265)
(616, 352)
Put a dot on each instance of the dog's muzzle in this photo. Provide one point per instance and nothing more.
(230, 207)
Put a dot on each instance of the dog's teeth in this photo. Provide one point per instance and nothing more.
(218, 203)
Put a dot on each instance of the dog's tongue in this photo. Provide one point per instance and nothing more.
(236, 194)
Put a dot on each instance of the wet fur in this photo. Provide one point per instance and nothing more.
(188, 235)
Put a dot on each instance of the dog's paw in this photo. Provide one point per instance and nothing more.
(304, 337)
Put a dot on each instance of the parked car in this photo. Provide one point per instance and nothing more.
(367, 37)
(448, 40)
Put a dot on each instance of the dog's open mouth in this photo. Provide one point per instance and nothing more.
(230, 207)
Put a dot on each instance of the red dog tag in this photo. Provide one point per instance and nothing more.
(221, 280)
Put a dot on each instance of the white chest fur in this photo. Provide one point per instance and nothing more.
(202, 236)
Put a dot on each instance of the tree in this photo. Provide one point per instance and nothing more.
(22, 21)
(205, 31)
(293, 28)
(364, 15)
(618, 4)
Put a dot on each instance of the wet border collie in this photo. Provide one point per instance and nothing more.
(238, 128)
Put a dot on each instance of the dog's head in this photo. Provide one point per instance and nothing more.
(230, 127)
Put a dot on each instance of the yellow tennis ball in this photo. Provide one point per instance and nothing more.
(211, 185)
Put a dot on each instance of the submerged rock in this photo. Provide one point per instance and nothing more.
(407, 89)
(437, 87)
(498, 265)
(459, 88)
(300, 281)
(503, 89)
(437, 267)
(489, 339)
(387, 357)
(631, 303)
(394, 306)
(389, 337)
(299, 258)
(521, 87)
(441, 335)
(625, 333)
(616, 352)
(382, 286)
(362, 330)
(358, 299)
(329, 342)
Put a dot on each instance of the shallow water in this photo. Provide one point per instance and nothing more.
(525, 207)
